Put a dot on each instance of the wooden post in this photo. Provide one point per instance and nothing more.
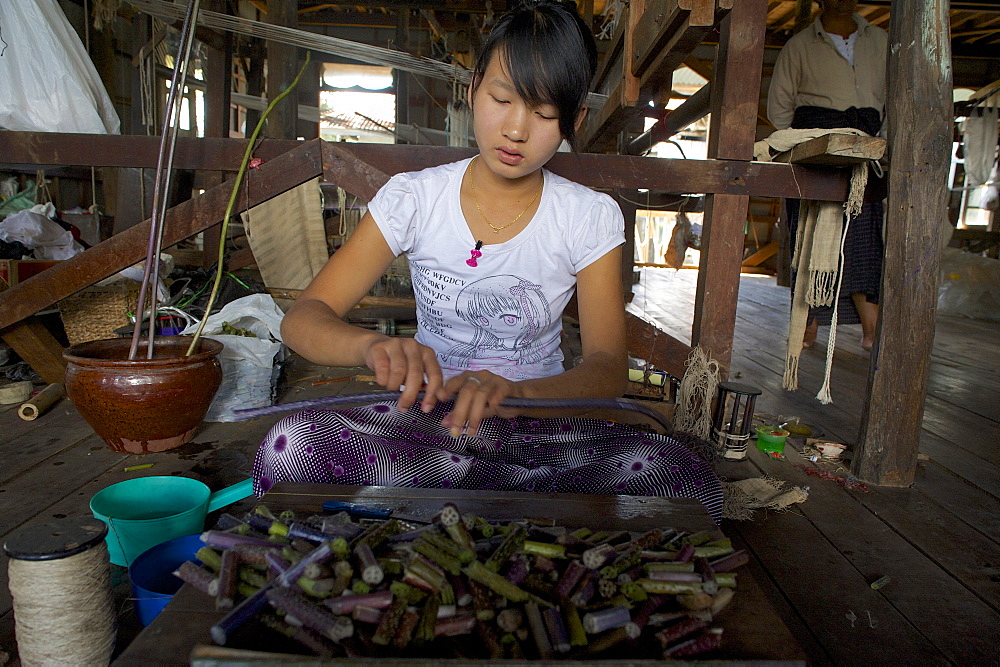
(282, 66)
(919, 115)
(735, 92)
(401, 79)
(626, 199)
(308, 90)
(218, 97)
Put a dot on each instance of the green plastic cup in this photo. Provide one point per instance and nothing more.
(771, 439)
(147, 511)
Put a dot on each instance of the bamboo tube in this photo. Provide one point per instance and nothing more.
(31, 410)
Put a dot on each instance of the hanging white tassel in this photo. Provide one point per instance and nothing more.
(694, 397)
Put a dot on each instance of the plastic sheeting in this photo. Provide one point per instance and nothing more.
(47, 81)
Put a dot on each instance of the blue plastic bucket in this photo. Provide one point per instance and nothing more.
(146, 511)
(152, 575)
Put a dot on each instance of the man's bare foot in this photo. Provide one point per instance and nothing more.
(809, 339)
(867, 342)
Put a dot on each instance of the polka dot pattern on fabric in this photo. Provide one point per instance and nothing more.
(379, 445)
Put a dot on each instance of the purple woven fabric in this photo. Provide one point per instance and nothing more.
(378, 445)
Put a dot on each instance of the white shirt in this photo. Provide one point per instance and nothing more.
(505, 313)
(810, 71)
(844, 45)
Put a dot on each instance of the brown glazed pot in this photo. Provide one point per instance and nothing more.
(143, 405)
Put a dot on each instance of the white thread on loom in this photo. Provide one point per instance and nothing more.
(63, 609)
(694, 397)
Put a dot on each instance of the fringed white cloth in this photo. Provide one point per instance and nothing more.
(819, 252)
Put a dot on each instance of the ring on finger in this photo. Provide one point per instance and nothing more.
(474, 379)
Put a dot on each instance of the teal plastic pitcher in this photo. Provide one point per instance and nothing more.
(147, 511)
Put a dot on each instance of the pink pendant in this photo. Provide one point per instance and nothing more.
(476, 254)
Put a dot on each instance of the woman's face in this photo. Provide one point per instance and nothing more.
(515, 139)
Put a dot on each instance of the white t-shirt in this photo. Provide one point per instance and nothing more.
(845, 45)
(502, 311)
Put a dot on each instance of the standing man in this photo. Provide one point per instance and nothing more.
(830, 75)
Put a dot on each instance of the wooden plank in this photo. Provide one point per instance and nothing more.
(731, 136)
(761, 256)
(969, 504)
(964, 428)
(652, 29)
(872, 544)
(33, 342)
(351, 171)
(129, 247)
(918, 102)
(630, 82)
(673, 121)
(94, 150)
(614, 512)
(44, 484)
(597, 171)
(835, 150)
(659, 22)
(26, 444)
(608, 172)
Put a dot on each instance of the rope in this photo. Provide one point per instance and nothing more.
(694, 398)
(64, 609)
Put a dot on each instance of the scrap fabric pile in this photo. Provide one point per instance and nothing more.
(463, 586)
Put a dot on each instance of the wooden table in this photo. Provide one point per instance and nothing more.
(753, 631)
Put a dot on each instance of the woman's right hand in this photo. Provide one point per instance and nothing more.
(403, 362)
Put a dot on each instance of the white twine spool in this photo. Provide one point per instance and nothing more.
(63, 604)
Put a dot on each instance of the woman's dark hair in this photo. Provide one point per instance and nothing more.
(549, 53)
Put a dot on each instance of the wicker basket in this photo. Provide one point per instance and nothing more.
(95, 312)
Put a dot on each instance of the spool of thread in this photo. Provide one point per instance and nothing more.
(41, 402)
(60, 581)
(15, 392)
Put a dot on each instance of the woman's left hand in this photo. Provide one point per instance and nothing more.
(478, 395)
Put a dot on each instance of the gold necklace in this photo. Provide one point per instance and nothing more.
(475, 199)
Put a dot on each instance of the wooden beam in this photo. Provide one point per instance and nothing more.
(282, 66)
(918, 109)
(128, 247)
(657, 24)
(33, 343)
(735, 91)
(608, 172)
(94, 150)
(692, 109)
(679, 31)
(839, 150)
(605, 172)
(656, 346)
(218, 95)
(628, 207)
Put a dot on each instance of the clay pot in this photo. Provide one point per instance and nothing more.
(143, 405)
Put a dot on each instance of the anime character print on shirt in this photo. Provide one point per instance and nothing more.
(507, 313)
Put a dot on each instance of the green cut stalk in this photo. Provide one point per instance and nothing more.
(232, 202)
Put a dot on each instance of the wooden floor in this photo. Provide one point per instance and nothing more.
(938, 542)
